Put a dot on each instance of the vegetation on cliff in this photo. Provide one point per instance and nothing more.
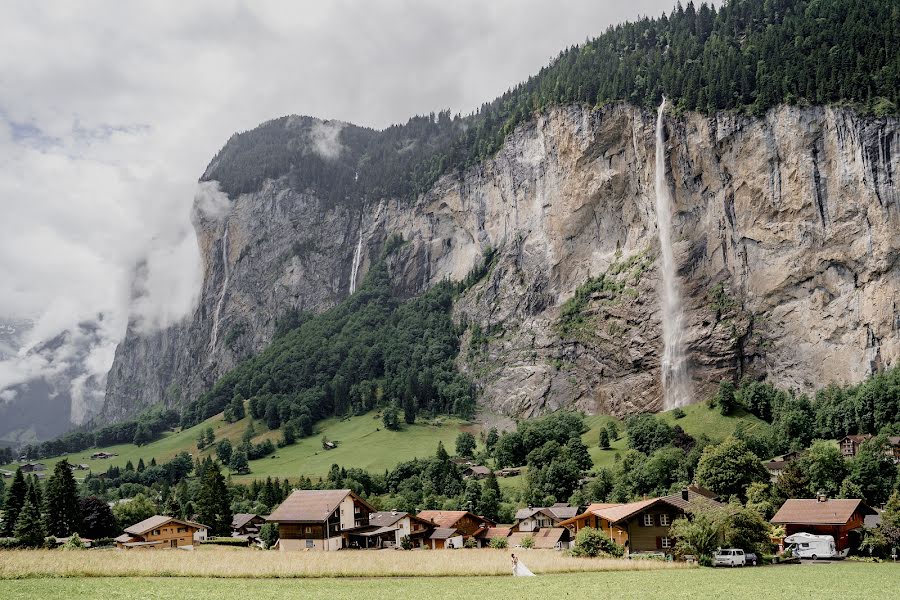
(747, 55)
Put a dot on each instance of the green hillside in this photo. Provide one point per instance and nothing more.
(362, 442)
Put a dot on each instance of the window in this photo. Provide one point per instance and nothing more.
(665, 520)
(648, 520)
(307, 530)
(666, 542)
(155, 532)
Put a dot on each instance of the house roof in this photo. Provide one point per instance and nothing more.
(241, 519)
(444, 533)
(156, 522)
(495, 532)
(447, 518)
(311, 505)
(559, 512)
(549, 536)
(477, 470)
(810, 511)
(124, 538)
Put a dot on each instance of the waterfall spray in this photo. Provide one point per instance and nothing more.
(214, 334)
(354, 270)
(675, 381)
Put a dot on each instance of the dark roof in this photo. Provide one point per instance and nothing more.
(385, 518)
(156, 522)
(810, 511)
(477, 470)
(559, 512)
(444, 533)
(311, 505)
(241, 519)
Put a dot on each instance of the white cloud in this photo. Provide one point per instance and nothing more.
(110, 111)
(324, 137)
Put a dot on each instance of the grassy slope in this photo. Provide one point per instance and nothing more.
(825, 582)
(360, 445)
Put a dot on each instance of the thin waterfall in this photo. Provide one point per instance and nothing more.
(675, 381)
(214, 335)
(354, 270)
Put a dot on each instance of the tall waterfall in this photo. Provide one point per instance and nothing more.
(214, 335)
(675, 380)
(354, 270)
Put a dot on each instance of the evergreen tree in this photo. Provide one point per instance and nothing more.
(224, 451)
(465, 445)
(490, 442)
(63, 508)
(97, 518)
(239, 463)
(612, 430)
(268, 496)
(472, 496)
(29, 529)
(142, 435)
(129, 466)
(15, 500)
(390, 417)
(141, 466)
(604, 439)
(213, 501)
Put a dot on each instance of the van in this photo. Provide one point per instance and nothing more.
(807, 545)
(729, 557)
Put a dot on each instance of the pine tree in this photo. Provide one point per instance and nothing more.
(268, 494)
(604, 439)
(15, 499)
(213, 502)
(29, 529)
(142, 435)
(63, 508)
(129, 466)
(141, 466)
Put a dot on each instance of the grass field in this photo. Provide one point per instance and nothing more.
(363, 443)
(845, 581)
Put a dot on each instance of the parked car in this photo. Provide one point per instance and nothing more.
(729, 557)
(751, 559)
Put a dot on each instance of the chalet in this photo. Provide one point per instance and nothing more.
(641, 526)
(841, 519)
(476, 471)
(319, 519)
(159, 532)
(32, 467)
(454, 527)
(508, 472)
(777, 464)
(533, 519)
(102, 455)
(850, 444)
(246, 526)
(388, 528)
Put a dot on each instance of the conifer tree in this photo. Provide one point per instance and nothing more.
(15, 499)
(29, 529)
(213, 502)
(63, 509)
(141, 466)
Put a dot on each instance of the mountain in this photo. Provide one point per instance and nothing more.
(779, 152)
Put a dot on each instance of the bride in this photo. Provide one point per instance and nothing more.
(519, 569)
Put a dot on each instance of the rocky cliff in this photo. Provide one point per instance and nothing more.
(785, 233)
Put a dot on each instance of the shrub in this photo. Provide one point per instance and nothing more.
(592, 542)
(226, 541)
(678, 413)
(74, 543)
(470, 543)
(499, 543)
(268, 533)
(528, 541)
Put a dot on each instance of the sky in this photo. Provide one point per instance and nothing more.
(111, 110)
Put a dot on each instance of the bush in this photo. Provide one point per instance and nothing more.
(499, 543)
(590, 542)
(74, 543)
(678, 413)
(470, 543)
(528, 541)
(268, 533)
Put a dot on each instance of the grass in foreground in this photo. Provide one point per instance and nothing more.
(823, 582)
(250, 563)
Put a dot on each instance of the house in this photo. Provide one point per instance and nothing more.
(641, 526)
(485, 537)
(453, 527)
(32, 467)
(78, 467)
(508, 472)
(388, 528)
(777, 464)
(548, 538)
(841, 519)
(159, 532)
(476, 471)
(246, 526)
(102, 455)
(462, 462)
(533, 519)
(850, 444)
(319, 519)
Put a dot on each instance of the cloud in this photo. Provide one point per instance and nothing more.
(110, 111)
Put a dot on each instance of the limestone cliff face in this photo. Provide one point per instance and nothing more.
(785, 232)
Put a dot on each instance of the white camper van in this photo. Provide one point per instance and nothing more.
(807, 545)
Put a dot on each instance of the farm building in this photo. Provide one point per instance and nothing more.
(319, 519)
(476, 471)
(388, 528)
(462, 523)
(532, 519)
(159, 532)
(842, 519)
(246, 526)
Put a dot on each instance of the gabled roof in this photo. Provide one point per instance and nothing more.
(549, 536)
(444, 533)
(448, 518)
(157, 521)
(241, 519)
(385, 518)
(495, 532)
(477, 470)
(559, 512)
(810, 511)
(306, 506)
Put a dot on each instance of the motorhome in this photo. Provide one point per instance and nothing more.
(807, 545)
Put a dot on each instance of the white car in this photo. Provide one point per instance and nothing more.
(729, 557)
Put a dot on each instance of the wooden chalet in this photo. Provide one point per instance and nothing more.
(387, 529)
(641, 526)
(319, 519)
(247, 526)
(158, 533)
(533, 519)
(842, 519)
(454, 527)
(476, 471)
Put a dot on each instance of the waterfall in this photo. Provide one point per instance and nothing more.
(214, 334)
(354, 270)
(675, 381)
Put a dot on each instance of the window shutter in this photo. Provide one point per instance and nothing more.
(659, 543)
(659, 520)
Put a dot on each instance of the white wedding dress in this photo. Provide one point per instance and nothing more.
(520, 570)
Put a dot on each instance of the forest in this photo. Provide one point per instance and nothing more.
(747, 56)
